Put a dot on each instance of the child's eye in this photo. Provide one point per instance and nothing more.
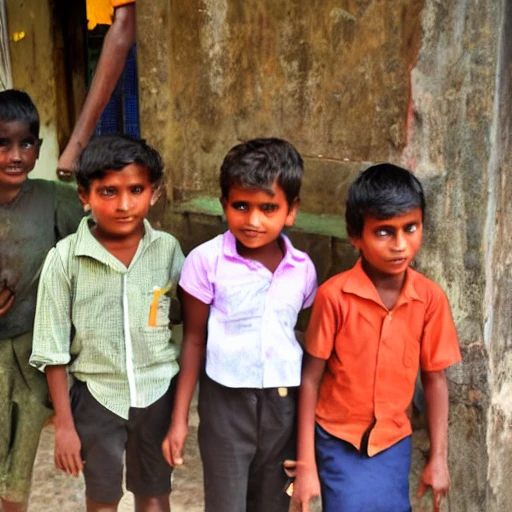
(107, 192)
(411, 228)
(239, 206)
(381, 232)
(269, 208)
(4, 143)
(138, 189)
(27, 144)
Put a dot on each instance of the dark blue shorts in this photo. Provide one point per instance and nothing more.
(352, 482)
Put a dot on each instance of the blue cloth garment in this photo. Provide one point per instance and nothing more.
(353, 482)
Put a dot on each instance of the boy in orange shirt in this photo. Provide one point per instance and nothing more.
(371, 329)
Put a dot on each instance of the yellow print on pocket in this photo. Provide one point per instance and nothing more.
(159, 310)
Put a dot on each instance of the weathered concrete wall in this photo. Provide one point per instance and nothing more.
(455, 149)
(498, 306)
(333, 77)
(34, 70)
(423, 83)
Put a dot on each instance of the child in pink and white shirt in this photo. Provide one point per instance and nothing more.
(241, 295)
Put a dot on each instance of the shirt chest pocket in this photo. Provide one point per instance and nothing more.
(241, 299)
(158, 305)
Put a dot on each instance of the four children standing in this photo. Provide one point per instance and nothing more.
(103, 318)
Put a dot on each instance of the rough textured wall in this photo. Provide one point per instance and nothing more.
(331, 76)
(34, 71)
(452, 142)
(498, 332)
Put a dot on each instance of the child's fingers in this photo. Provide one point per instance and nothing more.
(437, 501)
(166, 451)
(177, 455)
(290, 468)
(422, 487)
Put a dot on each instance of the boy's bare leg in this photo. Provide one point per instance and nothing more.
(95, 506)
(152, 504)
(11, 506)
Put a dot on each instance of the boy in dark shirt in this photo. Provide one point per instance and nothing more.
(34, 215)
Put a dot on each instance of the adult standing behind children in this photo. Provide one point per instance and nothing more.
(114, 52)
(247, 286)
(103, 314)
(371, 329)
(34, 215)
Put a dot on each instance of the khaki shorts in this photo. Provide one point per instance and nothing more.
(24, 407)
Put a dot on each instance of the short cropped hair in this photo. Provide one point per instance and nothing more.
(258, 163)
(17, 105)
(114, 152)
(382, 191)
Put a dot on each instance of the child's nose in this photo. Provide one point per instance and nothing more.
(124, 202)
(254, 218)
(15, 153)
(400, 241)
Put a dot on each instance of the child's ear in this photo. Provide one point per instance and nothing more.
(292, 212)
(84, 197)
(355, 241)
(38, 147)
(155, 195)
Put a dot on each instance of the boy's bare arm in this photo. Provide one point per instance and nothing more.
(67, 442)
(307, 484)
(195, 318)
(435, 473)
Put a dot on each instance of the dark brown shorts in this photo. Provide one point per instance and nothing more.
(106, 437)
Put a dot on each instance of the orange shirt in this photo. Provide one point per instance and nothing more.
(373, 354)
(101, 11)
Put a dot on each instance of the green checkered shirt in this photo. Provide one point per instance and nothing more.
(109, 323)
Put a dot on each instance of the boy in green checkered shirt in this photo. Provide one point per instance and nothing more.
(103, 314)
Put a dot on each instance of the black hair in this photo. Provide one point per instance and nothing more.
(258, 163)
(114, 152)
(17, 105)
(382, 191)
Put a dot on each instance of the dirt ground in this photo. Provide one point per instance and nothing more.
(53, 490)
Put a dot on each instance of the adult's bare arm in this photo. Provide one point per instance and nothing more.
(118, 41)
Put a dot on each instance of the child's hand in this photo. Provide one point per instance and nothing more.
(436, 476)
(6, 299)
(172, 445)
(305, 487)
(67, 450)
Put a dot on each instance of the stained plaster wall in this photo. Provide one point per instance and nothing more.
(35, 70)
(423, 84)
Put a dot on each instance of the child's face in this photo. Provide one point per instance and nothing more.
(19, 150)
(255, 217)
(119, 202)
(388, 246)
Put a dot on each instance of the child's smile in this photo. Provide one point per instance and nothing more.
(257, 217)
(19, 151)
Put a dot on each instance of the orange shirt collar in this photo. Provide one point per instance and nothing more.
(358, 283)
